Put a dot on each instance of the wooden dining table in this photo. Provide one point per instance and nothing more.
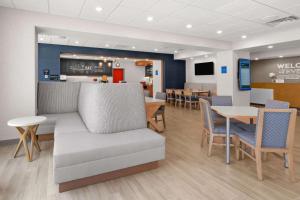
(236, 112)
(199, 92)
(152, 105)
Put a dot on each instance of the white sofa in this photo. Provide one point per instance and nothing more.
(100, 131)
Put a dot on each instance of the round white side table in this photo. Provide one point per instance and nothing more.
(27, 127)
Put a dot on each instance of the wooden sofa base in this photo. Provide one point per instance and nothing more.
(70, 185)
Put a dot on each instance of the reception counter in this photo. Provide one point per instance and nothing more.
(289, 92)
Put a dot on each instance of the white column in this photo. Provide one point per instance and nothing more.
(227, 83)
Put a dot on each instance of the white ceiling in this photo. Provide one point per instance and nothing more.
(234, 17)
(72, 38)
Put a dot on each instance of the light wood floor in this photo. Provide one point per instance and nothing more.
(187, 173)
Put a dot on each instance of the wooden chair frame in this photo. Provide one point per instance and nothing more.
(170, 96)
(257, 150)
(178, 97)
(188, 99)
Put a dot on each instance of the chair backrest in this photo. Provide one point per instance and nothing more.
(221, 100)
(275, 128)
(206, 115)
(277, 104)
(187, 93)
(178, 92)
(160, 95)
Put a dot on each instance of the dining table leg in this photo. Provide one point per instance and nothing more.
(227, 140)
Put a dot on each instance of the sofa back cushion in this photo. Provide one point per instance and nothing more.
(112, 108)
(57, 97)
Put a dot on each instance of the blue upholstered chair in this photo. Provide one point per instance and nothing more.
(277, 104)
(220, 101)
(274, 133)
(161, 110)
(212, 131)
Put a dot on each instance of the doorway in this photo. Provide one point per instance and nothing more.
(118, 75)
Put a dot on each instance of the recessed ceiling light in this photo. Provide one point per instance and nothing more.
(270, 47)
(41, 39)
(175, 51)
(280, 56)
(256, 59)
(125, 58)
(155, 49)
(150, 18)
(76, 42)
(133, 47)
(244, 36)
(99, 9)
(106, 45)
(219, 32)
(191, 58)
(74, 55)
(189, 26)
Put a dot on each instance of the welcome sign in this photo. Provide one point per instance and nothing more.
(288, 70)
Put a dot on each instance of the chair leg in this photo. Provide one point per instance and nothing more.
(243, 154)
(290, 158)
(211, 139)
(258, 165)
(237, 147)
(265, 156)
(156, 118)
(164, 120)
(202, 137)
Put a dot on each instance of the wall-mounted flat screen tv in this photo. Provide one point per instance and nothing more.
(206, 68)
(244, 76)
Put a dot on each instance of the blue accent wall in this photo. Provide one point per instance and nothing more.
(49, 58)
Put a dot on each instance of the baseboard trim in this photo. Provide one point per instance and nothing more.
(46, 137)
(8, 142)
(70, 185)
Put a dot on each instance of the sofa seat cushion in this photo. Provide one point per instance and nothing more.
(49, 125)
(72, 123)
(79, 147)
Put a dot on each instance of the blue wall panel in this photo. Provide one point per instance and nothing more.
(49, 58)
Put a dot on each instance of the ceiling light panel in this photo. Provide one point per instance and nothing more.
(68, 8)
(89, 12)
(123, 15)
(33, 5)
(139, 4)
(6, 3)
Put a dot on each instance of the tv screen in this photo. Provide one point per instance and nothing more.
(244, 76)
(206, 68)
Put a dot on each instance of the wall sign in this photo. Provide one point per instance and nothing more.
(223, 69)
(288, 70)
(81, 67)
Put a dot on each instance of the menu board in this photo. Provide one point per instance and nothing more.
(81, 67)
(244, 74)
(149, 70)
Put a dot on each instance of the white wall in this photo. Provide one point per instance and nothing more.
(157, 79)
(240, 98)
(133, 73)
(224, 81)
(17, 70)
(190, 71)
(227, 84)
